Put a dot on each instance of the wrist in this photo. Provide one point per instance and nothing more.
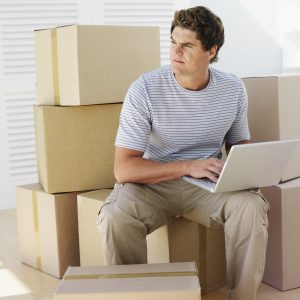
(186, 167)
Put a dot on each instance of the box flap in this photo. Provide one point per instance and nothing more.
(294, 183)
(96, 195)
(40, 29)
(271, 75)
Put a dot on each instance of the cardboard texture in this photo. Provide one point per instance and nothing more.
(274, 104)
(75, 146)
(190, 241)
(135, 282)
(48, 229)
(282, 269)
(90, 245)
(92, 64)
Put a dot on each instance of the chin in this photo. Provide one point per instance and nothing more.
(176, 68)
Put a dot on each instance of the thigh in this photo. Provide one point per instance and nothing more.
(153, 204)
(200, 204)
(212, 208)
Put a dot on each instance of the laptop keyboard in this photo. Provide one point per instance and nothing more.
(208, 182)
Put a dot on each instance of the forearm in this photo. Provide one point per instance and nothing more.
(130, 166)
(141, 170)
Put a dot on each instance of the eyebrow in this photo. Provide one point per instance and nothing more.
(184, 44)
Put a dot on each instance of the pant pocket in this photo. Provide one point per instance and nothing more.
(258, 192)
(112, 196)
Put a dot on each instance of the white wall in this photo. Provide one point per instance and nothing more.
(252, 36)
(290, 34)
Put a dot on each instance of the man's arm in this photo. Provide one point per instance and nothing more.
(228, 146)
(130, 166)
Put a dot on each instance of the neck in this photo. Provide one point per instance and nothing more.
(194, 83)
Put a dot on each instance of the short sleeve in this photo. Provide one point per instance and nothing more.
(239, 129)
(135, 119)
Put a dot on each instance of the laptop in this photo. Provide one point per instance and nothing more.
(250, 166)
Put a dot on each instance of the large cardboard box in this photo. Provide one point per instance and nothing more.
(175, 281)
(92, 64)
(274, 105)
(47, 229)
(90, 245)
(190, 241)
(283, 253)
(75, 146)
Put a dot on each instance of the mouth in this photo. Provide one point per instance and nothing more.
(177, 61)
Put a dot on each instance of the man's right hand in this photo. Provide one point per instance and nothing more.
(210, 168)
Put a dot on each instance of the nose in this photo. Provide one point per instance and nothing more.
(177, 49)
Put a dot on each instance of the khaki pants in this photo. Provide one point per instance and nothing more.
(134, 210)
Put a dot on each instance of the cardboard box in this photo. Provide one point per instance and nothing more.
(90, 245)
(75, 146)
(180, 241)
(282, 269)
(92, 64)
(48, 229)
(175, 281)
(274, 105)
(190, 241)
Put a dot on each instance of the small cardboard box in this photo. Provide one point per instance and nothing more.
(90, 245)
(282, 269)
(190, 241)
(92, 64)
(174, 281)
(274, 105)
(75, 146)
(47, 229)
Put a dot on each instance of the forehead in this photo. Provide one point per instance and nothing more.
(184, 35)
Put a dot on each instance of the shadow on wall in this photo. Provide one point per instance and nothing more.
(252, 44)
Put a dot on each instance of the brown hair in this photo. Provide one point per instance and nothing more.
(208, 27)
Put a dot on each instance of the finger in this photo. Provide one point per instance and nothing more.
(218, 163)
(214, 170)
(212, 177)
(215, 166)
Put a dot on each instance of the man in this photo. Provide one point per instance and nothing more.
(173, 123)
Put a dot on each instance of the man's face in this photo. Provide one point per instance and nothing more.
(186, 53)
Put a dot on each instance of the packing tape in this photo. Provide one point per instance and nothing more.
(37, 245)
(55, 66)
(131, 275)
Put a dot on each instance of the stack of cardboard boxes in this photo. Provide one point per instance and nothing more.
(83, 73)
(274, 104)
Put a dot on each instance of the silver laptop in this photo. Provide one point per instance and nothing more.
(250, 166)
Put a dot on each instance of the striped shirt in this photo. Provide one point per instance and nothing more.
(168, 122)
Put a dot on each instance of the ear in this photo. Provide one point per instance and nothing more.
(212, 52)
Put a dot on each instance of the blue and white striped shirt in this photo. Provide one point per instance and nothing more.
(168, 122)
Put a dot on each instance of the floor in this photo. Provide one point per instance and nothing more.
(20, 282)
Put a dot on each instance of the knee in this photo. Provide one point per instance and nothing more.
(108, 218)
(255, 202)
(106, 212)
(251, 204)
